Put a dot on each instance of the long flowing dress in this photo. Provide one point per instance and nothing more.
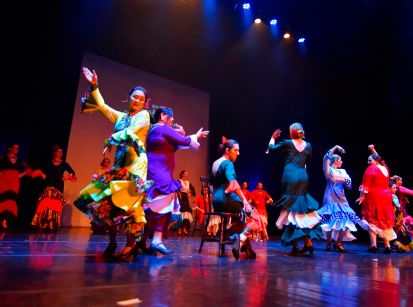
(185, 193)
(336, 213)
(225, 199)
(298, 208)
(116, 198)
(162, 143)
(10, 184)
(259, 199)
(377, 209)
(51, 200)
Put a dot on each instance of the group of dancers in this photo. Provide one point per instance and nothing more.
(138, 195)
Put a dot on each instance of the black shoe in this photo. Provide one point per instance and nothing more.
(249, 252)
(295, 252)
(387, 250)
(142, 246)
(236, 246)
(128, 254)
(328, 247)
(372, 249)
(110, 250)
(307, 248)
(158, 248)
(340, 248)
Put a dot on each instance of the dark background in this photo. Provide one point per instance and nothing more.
(352, 85)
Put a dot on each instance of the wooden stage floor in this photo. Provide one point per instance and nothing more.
(67, 270)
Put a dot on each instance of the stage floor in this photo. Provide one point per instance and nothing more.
(66, 270)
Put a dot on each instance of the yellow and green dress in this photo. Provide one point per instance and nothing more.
(116, 198)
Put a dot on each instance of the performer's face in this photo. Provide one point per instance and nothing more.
(14, 149)
(137, 101)
(371, 161)
(244, 185)
(166, 119)
(338, 163)
(259, 186)
(233, 152)
(58, 153)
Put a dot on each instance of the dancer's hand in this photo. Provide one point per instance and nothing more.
(202, 134)
(361, 199)
(340, 149)
(179, 129)
(276, 134)
(92, 78)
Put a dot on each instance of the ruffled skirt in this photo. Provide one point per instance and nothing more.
(49, 209)
(300, 218)
(338, 217)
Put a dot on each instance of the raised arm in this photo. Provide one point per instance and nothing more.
(372, 150)
(94, 100)
(327, 162)
(271, 145)
(182, 141)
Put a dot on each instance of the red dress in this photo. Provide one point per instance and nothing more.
(200, 202)
(377, 209)
(259, 199)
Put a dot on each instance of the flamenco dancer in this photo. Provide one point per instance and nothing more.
(228, 197)
(376, 202)
(115, 200)
(298, 208)
(51, 201)
(338, 219)
(162, 143)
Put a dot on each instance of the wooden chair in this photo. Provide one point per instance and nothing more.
(222, 235)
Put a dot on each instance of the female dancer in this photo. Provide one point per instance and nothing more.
(102, 170)
(402, 193)
(228, 197)
(12, 168)
(115, 200)
(185, 193)
(50, 203)
(163, 141)
(298, 207)
(376, 202)
(338, 219)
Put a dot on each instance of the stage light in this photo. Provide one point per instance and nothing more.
(246, 6)
(287, 35)
(273, 22)
(301, 40)
(257, 20)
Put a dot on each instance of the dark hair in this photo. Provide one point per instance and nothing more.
(205, 187)
(227, 145)
(377, 158)
(139, 88)
(103, 160)
(181, 174)
(333, 158)
(56, 148)
(165, 110)
(395, 178)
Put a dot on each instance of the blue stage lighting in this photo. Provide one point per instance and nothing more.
(301, 40)
(273, 22)
(246, 6)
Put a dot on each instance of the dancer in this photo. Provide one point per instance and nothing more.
(402, 193)
(186, 192)
(376, 202)
(51, 201)
(102, 170)
(404, 242)
(202, 206)
(338, 219)
(115, 200)
(163, 141)
(260, 198)
(228, 197)
(12, 168)
(244, 190)
(297, 206)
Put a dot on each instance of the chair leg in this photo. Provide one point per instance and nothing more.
(221, 237)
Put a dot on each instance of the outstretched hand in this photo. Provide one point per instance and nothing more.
(92, 78)
(361, 199)
(276, 134)
(202, 134)
(371, 147)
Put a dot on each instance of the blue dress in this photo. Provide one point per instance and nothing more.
(336, 213)
(297, 206)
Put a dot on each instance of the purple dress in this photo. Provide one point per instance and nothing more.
(162, 143)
